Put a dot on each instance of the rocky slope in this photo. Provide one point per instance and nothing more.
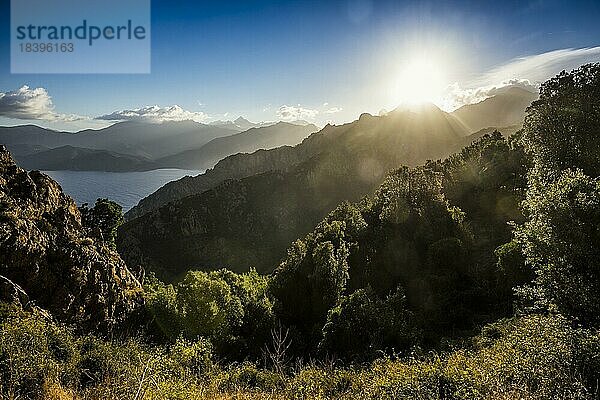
(233, 167)
(44, 252)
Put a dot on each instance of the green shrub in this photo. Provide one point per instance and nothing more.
(34, 352)
(532, 357)
(537, 356)
(364, 326)
(248, 376)
(320, 383)
(231, 310)
(193, 357)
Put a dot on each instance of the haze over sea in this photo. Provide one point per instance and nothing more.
(125, 188)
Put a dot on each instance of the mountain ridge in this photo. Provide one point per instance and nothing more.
(281, 159)
(504, 109)
(129, 137)
(138, 146)
(81, 159)
(278, 195)
(256, 138)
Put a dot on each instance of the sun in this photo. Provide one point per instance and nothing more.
(420, 80)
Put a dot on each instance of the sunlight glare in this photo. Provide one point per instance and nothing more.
(420, 80)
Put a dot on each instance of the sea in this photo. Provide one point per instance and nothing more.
(125, 188)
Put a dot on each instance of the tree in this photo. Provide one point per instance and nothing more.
(201, 305)
(561, 241)
(488, 180)
(231, 310)
(407, 236)
(562, 128)
(311, 279)
(363, 325)
(102, 221)
(561, 238)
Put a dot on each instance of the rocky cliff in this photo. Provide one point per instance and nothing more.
(44, 251)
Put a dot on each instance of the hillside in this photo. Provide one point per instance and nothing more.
(504, 109)
(491, 114)
(282, 193)
(79, 159)
(253, 139)
(415, 143)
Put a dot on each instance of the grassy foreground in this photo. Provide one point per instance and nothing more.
(533, 357)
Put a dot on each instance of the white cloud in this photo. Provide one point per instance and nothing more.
(333, 110)
(525, 72)
(540, 67)
(31, 104)
(292, 113)
(456, 96)
(155, 114)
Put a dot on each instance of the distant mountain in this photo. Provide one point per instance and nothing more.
(133, 138)
(253, 139)
(79, 159)
(227, 125)
(27, 137)
(241, 124)
(135, 146)
(150, 140)
(504, 109)
(300, 122)
(23, 149)
(249, 207)
(244, 124)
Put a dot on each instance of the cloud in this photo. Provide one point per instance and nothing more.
(333, 110)
(456, 96)
(31, 104)
(525, 72)
(540, 67)
(292, 113)
(155, 114)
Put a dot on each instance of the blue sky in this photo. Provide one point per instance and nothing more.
(322, 60)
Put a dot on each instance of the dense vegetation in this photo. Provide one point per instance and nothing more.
(474, 277)
(532, 357)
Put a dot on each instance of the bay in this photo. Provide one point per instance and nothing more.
(125, 188)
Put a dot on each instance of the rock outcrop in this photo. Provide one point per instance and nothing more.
(44, 251)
